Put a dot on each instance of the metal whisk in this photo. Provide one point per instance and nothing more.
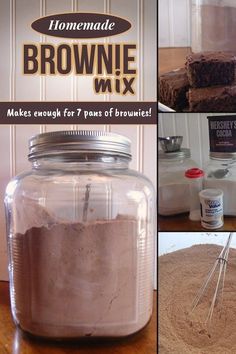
(220, 262)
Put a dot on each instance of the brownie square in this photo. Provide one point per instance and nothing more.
(173, 87)
(210, 68)
(212, 99)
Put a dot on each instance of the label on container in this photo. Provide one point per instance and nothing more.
(212, 212)
(222, 133)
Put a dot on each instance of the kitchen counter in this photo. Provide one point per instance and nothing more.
(172, 58)
(182, 223)
(13, 341)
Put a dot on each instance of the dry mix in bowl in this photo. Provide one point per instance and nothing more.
(181, 275)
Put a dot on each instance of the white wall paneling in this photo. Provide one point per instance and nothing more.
(24, 12)
(174, 23)
(132, 13)
(5, 48)
(22, 135)
(6, 157)
(15, 19)
(85, 84)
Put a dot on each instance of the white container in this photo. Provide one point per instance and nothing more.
(195, 180)
(173, 188)
(213, 25)
(219, 162)
(212, 216)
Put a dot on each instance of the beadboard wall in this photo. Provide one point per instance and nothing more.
(174, 23)
(16, 17)
(194, 129)
(14, 149)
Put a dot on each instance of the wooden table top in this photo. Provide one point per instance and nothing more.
(181, 222)
(172, 58)
(13, 341)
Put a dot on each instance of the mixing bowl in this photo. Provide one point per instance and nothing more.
(171, 143)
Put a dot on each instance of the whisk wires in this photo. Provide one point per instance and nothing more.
(220, 262)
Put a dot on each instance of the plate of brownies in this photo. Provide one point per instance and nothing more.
(207, 83)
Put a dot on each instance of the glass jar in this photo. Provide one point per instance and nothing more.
(80, 228)
(213, 25)
(221, 174)
(173, 187)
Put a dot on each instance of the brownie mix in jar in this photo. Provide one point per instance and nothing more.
(80, 229)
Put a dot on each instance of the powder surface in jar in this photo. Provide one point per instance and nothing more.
(181, 275)
(80, 279)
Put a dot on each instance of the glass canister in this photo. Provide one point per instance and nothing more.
(213, 25)
(80, 228)
(173, 187)
(221, 174)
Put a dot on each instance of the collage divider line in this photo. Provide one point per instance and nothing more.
(74, 78)
(200, 138)
(42, 79)
(140, 130)
(106, 97)
(12, 84)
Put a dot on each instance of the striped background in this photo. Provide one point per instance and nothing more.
(174, 23)
(15, 19)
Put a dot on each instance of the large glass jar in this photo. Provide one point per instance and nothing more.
(80, 230)
(173, 186)
(221, 174)
(213, 25)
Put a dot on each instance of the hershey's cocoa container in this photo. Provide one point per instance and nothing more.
(80, 228)
(222, 134)
(221, 167)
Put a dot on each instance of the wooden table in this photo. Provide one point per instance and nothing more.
(172, 58)
(182, 223)
(13, 341)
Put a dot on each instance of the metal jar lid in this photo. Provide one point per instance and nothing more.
(181, 154)
(223, 155)
(76, 141)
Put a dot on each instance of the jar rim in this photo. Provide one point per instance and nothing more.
(78, 141)
(182, 153)
(222, 155)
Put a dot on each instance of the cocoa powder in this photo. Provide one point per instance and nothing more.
(80, 279)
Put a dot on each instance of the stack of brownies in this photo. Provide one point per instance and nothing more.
(206, 84)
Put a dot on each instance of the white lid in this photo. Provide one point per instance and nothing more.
(211, 193)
